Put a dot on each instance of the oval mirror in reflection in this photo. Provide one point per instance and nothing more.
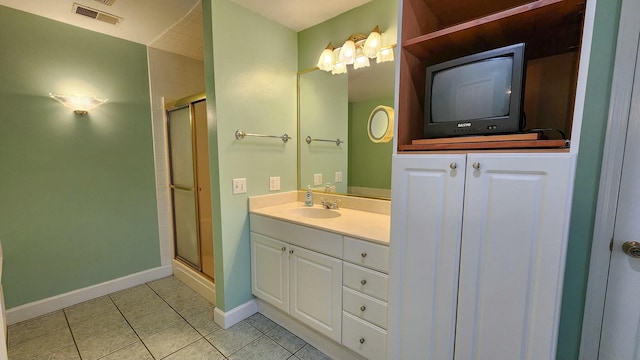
(380, 125)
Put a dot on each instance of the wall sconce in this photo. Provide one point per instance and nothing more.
(356, 51)
(79, 104)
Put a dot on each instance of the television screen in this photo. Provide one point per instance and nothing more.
(477, 90)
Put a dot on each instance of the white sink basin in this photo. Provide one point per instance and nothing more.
(313, 213)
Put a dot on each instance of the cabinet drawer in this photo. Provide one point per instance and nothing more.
(367, 340)
(364, 307)
(366, 253)
(370, 282)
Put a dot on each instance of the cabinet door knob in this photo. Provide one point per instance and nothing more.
(284, 248)
(363, 308)
(476, 165)
(363, 254)
(363, 282)
(361, 340)
(453, 166)
(291, 251)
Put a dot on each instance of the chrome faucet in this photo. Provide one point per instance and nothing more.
(328, 204)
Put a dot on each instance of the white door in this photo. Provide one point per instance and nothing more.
(515, 229)
(620, 337)
(316, 291)
(427, 224)
(270, 270)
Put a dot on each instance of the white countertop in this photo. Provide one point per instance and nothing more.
(356, 223)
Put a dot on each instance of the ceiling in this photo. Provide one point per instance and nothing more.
(298, 15)
(176, 25)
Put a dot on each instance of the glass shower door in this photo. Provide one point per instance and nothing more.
(183, 185)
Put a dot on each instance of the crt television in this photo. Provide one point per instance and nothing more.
(479, 94)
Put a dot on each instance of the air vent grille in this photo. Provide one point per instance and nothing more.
(96, 14)
(106, 2)
(86, 12)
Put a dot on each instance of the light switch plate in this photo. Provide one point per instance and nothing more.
(239, 186)
(274, 183)
(317, 179)
(338, 176)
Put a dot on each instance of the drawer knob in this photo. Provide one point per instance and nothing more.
(453, 166)
(363, 308)
(291, 251)
(476, 165)
(363, 282)
(284, 248)
(361, 340)
(363, 254)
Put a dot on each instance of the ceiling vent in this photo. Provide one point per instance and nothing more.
(96, 14)
(106, 2)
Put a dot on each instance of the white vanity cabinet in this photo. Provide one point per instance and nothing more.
(480, 264)
(335, 284)
(364, 298)
(305, 282)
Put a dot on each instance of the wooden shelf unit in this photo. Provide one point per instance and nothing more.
(432, 33)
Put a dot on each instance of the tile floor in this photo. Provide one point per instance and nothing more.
(163, 319)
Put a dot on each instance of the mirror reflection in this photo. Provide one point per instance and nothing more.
(332, 107)
(380, 125)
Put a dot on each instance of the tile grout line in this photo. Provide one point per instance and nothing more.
(75, 343)
(188, 323)
(132, 329)
(183, 318)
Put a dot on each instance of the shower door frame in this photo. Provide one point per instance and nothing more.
(190, 105)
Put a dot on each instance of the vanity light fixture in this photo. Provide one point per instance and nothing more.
(79, 104)
(326, 59)
(356, 51)
(385, 54)
(373, 43)
(348, 51)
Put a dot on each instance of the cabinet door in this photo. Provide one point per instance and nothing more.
(425, 236)
(316, 291)
(516, 219)
(270, 270)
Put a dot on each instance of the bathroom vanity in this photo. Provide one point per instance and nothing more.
(326, 269)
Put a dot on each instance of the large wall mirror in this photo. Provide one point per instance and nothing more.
(335, 151)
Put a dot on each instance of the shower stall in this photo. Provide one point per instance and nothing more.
(189, 184)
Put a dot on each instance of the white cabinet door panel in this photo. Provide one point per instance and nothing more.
(516, 218)
(270, 270)
(316, 291)
(426, 230)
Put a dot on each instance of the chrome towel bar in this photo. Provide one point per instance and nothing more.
(240, 135)
(337, 141)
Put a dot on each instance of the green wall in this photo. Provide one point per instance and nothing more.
(254, 89)
(588, 176)
(78, 204)
(369, 162)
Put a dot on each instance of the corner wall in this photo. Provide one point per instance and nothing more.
(586, 185)
(253, 88)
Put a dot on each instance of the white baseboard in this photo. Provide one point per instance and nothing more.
(58, 302)
(197, 282)
(318, 341)
(235, 315)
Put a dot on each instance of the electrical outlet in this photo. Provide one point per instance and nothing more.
(274, 183)
(317, 179)
(338, 176)
(239, 186)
